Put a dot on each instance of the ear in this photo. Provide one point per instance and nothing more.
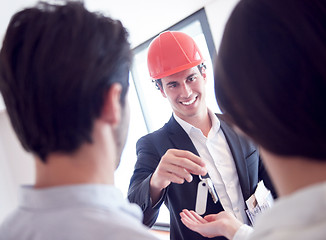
(203, 73)
(111, 111)
(161, 90)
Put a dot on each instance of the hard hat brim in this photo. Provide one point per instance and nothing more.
(176, 70)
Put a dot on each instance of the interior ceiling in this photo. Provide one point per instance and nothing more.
(142, 18)
(146, 18)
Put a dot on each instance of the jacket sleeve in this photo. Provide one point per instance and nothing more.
(139, 189)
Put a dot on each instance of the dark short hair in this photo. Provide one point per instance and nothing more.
(270, 74)
(158, 82)
(57, 63)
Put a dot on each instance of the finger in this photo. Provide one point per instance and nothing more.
(179, 158)
(185, 218)
(173, 178)
(189, 155)
(198, 217)
(181, 173)
(190, 215)
(177, 171)
(218, 216)
(190, 166)
(188, 222)
(195, 217)
(194, 226)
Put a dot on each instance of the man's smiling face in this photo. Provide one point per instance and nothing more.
(186, 92)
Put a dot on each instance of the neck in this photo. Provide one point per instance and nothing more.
(201, 121)
(290, 174)
(91, 164)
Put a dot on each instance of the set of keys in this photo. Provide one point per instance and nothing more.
(207, 180)
(204, 186)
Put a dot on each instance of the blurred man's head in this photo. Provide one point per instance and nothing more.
(58, 63)
(270, 75)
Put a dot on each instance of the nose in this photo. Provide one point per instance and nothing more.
(186, 91)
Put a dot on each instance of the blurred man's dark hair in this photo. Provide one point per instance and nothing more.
(57, 64)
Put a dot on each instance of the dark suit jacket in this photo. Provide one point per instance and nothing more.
(177, 197)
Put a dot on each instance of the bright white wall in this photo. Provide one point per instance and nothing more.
(6, 184)
(16, 166)
(218, 12)
(144, 19)
(7, 9)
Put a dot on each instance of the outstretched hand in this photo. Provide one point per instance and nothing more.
(213, 225)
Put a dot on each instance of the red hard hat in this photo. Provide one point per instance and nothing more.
(172, 52)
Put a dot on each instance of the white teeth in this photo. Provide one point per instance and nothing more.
(189, 102)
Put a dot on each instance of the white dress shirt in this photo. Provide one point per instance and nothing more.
(73, 212)
(215, 151)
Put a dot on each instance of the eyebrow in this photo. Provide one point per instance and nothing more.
(171, 83)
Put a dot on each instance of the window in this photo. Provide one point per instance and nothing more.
(149, 110)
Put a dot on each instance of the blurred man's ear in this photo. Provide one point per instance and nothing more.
(161, 90)
(111, 111)
(203, 73)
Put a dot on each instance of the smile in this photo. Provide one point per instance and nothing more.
(189, 102)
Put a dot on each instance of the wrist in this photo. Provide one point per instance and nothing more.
(231, 229)
(155, 191)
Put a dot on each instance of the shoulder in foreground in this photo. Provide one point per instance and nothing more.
(120, 228)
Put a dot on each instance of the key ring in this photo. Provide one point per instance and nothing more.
(203, 177)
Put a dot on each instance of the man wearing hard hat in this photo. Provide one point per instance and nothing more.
(195, 161)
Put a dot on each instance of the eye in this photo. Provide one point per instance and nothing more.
(172, 85)
(192, 78)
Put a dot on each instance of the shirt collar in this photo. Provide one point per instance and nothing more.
(187, 126)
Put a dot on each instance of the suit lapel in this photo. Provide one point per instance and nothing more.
(239, 158)
(179, 137)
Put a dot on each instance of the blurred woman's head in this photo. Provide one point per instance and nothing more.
(270, 75)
